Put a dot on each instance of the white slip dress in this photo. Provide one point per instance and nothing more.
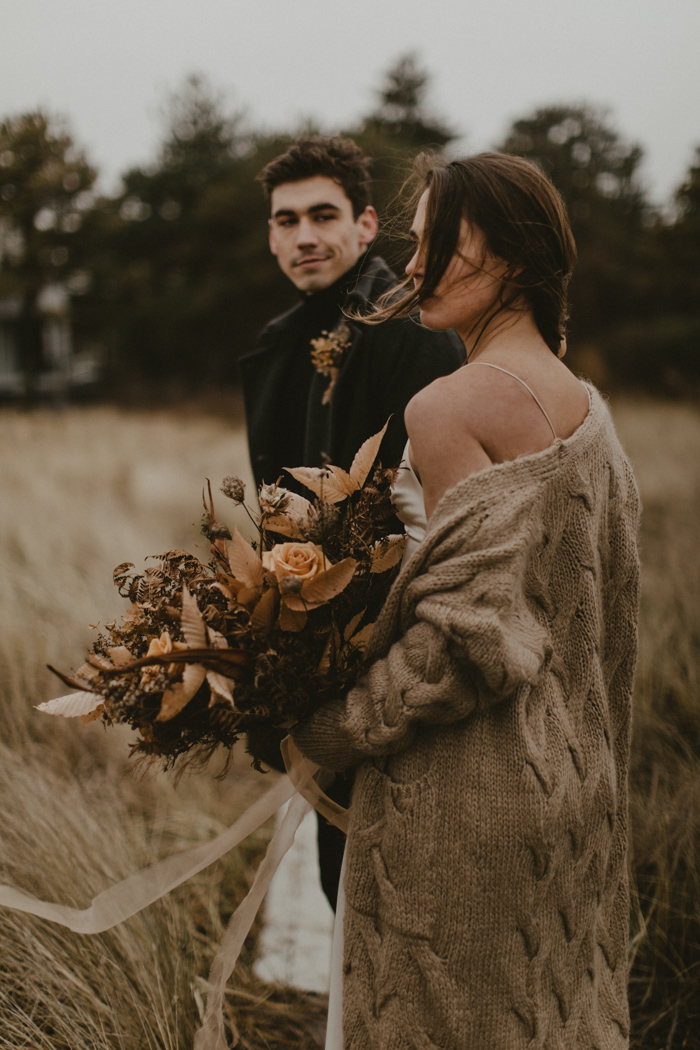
(408, 500)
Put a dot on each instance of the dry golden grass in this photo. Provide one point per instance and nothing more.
(82, 491)
(88, 488)
(664, 444)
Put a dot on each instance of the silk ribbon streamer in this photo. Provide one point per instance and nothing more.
(212, 1036)
(136, 892)
(302, 774)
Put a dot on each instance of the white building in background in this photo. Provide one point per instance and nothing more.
(62, 368)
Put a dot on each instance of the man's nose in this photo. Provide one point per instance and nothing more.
(306, 233)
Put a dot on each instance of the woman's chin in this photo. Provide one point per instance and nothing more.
(431, 319)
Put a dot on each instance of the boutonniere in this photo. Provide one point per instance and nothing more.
(327, 354)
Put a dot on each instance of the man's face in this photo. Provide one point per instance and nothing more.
(313, 232)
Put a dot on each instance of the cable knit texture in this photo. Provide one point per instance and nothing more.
(486, 885)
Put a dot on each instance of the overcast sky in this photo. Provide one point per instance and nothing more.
(108, 65)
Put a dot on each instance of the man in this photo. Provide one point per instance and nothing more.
(322, 383)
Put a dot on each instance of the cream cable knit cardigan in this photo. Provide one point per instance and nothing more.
(486, 885)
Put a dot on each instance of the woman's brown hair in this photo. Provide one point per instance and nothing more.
(524, 222)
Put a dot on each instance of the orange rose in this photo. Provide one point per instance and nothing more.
(161, 647)
(302, 561)
(305, 579)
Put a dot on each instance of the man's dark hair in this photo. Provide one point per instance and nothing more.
(336, 158)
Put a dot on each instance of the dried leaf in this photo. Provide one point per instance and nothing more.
(327, 584)
(388, 552)
(93, 716)
(263, 618)
(74, 705)
(191, 621)
(324, 481)
(360, 640)
(283, 525)
(292, 619)
(246, 595)
(245, 563)
(120, 656)
(324, 663)
(297, 506)
(100, 662)
(87, 671)
(322, 588)
(333, 640)
(293, 510)
(365, 457)
(121, 572)
(221, 687)
(350, 629)
(343, 479)
(225, 590)
(181, 693)
(216, 639)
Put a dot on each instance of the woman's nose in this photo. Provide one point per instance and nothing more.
(414, 266)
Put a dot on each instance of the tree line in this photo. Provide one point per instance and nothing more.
(172, 277)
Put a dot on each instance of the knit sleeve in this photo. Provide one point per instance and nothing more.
(470, 638)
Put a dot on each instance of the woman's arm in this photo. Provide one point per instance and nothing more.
(470, 639)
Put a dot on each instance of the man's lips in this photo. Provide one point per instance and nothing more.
(311, 260)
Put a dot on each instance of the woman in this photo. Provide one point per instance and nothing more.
(486, 901)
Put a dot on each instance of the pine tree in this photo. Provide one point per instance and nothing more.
(45, 184)
(402, 113)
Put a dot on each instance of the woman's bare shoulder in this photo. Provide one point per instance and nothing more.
(514, 405)
(479, 416)
(444, 449)
(438, 413)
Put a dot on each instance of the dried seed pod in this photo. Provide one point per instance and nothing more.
(273, 498)
(234, 488)
(290, 585)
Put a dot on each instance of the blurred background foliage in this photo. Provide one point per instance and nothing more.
(171, 279)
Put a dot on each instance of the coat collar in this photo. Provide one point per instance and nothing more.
(375, 279)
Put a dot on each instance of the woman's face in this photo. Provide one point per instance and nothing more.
(470, 285)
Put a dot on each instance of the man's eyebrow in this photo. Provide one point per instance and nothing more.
(285, 212)
(323, 207)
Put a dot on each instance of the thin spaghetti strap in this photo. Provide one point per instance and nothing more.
(522, 383)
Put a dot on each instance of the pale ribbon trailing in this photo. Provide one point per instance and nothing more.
(136, 892)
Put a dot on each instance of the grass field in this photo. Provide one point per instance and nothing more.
(82, 491)
(88, 488)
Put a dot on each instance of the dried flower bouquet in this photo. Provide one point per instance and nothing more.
(259, 636)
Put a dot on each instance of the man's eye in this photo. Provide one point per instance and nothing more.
(325, 217)
(286, 222)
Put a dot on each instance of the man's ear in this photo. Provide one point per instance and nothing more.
(271, 235)
(368, 224)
